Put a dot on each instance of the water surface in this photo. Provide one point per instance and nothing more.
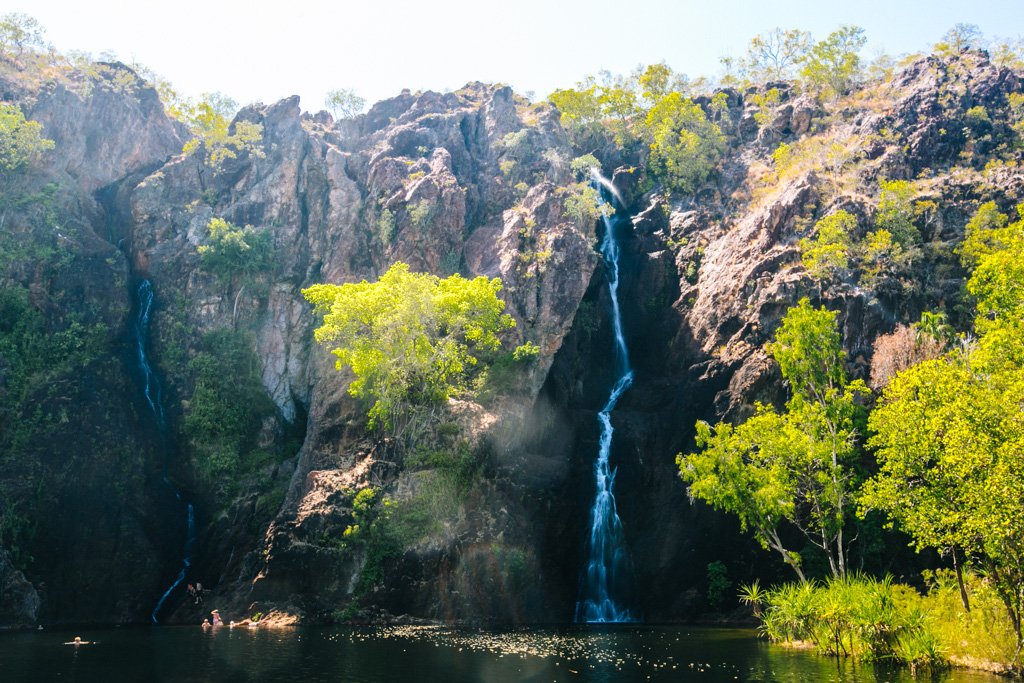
(428, 655)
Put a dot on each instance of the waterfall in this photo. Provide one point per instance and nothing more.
(154, 399)
(607, 569)
(140, 330)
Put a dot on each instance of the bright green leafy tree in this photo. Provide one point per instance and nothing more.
(949, 432)
(896, 212)
(829, 251)
(684, 145)
(795, 466)
(410, 339)
(233, 253)
(832, 66)
(580, 111)
(216, 135)
(21, 140)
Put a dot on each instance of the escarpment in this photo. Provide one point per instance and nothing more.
(487, 520)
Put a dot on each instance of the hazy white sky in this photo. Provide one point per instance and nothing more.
(259, 51)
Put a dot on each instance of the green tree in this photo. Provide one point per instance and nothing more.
(832, 66)
(934, 326)
(795, 466)
(344, 103)
(410, 339)
(949, 432)
(18, 33)
(232, 252)
(960, 38)
(583, 204)
(684, 145)
(896, 212)
(829, 251)
(21, 140)
(216, 135)
(580, 111)
(655, 81)
(774, 56)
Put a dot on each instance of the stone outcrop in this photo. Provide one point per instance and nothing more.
(472, 182)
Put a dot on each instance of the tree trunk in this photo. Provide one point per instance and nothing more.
(960, 581)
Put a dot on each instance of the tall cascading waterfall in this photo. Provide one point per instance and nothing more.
(607, 572)
(151, 390)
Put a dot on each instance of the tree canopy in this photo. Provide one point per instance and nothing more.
(795, 466)
(829, 251)
(232, 252)
(21, 140)
(410, 339)
(217, 136)
(949, 432)
(20, 32)
(344, 103)
(649, 107)
(832, 66)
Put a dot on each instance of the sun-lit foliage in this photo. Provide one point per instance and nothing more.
(233, 252)
(216, 136)
(828, 253)
(410, 339)
(21, 140)
(949, 432)
(797, 466)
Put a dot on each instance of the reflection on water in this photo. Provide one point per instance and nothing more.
(429, 655)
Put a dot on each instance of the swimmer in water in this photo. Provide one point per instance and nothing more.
(78, 641)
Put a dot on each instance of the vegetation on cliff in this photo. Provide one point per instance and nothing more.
(946, 438)
(412, 340)
(855, 179)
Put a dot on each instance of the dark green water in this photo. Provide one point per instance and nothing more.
(426, 655)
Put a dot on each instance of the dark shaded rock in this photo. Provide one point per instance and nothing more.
(19, 601)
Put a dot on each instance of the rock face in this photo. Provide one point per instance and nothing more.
(79, 471)
(417, 179)
(19, 601)
(472, 182)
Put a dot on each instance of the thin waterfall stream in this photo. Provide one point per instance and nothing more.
(154, 399)
(607, 571)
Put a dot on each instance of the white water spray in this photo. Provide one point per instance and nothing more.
(608, 567)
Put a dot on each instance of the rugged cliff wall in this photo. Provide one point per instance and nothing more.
(470, 181)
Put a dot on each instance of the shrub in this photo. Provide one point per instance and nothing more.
(828, 253)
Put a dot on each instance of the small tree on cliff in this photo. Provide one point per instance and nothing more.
(217, 136)
(236, 256)
(410, 339)
(794, 466)
(684, 145)
(18, 34)
(344, 103)
(21, 140)
(833, 66)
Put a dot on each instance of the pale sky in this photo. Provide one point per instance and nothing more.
(257, 51)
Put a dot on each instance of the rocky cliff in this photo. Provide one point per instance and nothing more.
(474, 182)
